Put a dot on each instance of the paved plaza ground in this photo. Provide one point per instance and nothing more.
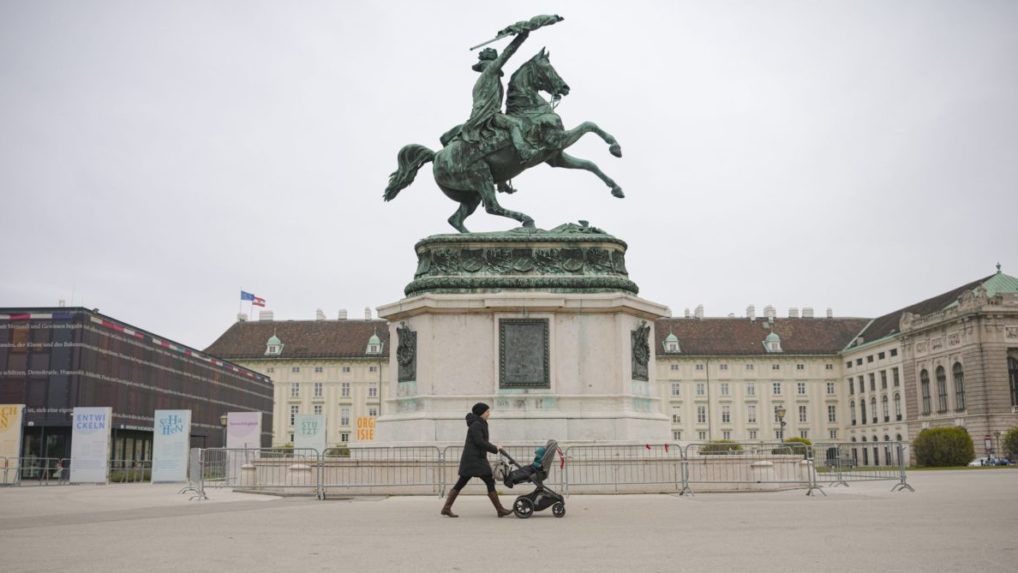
(955, 521)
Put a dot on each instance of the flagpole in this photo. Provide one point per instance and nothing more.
(240, 305)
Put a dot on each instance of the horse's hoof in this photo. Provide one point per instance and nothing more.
(617, 191)
(615, 150)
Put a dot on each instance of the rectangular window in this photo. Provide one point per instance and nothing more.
(894, 376)
(862, 385)
(701, 414)
(701, 388)
(344, 437)
(883, 379)
(702, 435)
(294, 410)
(346, 369)
(858, 361)
(373, 392)
(295, 390)
(873, 382)
(804, 434)
(802, 414)
(372, 412)
(270, 370)
(775, 367)
(318, 389)
(828, 367)
(830, 388)
(751, 389)
(881, 356)
(752, 434)
(832, 413)
(869, 358)
(676, 435)
(726, 414)
(372, 369)
(894, 352)
(344, 417)
(724, 367)
(726, 434)
(295, 369)
(751, 414)
(318, 369)
(318, 409)
(676, 417)
(776, 388)
(345, 390)
(800, 388)
(699, 366)
(724, 389)
(848, 364)
(800, 366)
(749, 367)
(676, 389)
(834, 434)
(674, 366)
(851, 386)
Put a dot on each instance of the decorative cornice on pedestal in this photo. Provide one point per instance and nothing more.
(523, 301)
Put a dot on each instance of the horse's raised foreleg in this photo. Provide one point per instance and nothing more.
(567, 161)
(571, 136)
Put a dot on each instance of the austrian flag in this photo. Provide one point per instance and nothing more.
(255, 300)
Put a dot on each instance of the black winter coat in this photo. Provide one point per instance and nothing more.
(474, 461)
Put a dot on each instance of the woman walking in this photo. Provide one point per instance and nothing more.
(474, 461)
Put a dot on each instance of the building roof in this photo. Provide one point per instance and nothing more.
(888, 324)
(742, 336)
(302, 339)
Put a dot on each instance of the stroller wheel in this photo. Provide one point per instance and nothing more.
(559, 509)
(523, 508)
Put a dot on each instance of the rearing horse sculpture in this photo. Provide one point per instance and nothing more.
(468, 172)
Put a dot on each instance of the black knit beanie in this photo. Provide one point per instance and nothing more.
(479, 408)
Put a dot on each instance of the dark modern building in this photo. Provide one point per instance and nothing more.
(54, 359)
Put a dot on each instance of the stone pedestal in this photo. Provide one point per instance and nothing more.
(545, 326)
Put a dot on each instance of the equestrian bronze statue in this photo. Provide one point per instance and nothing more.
(492, 147)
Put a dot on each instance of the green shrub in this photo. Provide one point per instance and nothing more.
(340, 452)
(1011, 442)
(943, 447)
(799, 446)
(721, 447)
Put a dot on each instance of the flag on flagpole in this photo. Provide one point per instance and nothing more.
(258, 301)
(247, 296)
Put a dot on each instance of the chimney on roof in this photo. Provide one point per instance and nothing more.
(793, 312)
(687, 312)
(830, 312)
(731, 315)
(342, 314)
(751, 312)
(61, 303)
(769, 312)
(265, 316)
(319, 314)
(241, 317)
(698, 312)
(367, 313)
(807, 312)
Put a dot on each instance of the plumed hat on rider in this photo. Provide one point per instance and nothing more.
(479, 408)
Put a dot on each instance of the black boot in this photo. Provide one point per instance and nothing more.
(449, 499)
(502, 512)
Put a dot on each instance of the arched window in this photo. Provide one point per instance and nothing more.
(873, 407)
(1012, 371)
(924, 385)
(851, 409)
(959, 386)
(862, 409)
(885, 406)
(897, 406)
(941, 389)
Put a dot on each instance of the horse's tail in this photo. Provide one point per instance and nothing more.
(410, 159)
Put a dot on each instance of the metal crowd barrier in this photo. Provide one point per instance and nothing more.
(34, 471)
(648, 468)
(130, 471)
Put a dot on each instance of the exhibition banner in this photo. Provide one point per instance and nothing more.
(90, 445)
(10, 441)
(309, 432)
(243, 430)
(171, 440)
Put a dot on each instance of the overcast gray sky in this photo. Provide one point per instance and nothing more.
(156, 157)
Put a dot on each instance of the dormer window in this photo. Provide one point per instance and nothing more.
(772, 343)
(671, 344)
(374, 345)
(274, 346)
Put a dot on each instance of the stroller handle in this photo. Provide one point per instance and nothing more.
(507, 456)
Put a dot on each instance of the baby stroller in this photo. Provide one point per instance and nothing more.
(542, 497)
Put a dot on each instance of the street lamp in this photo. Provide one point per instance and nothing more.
(780, 412)
(223, 420)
